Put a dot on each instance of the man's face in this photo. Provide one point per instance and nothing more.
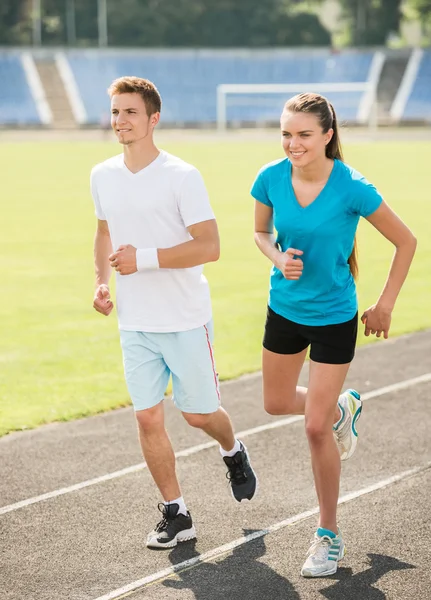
(129, 118)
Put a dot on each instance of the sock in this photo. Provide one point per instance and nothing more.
(321, 531)
(232, 452)
(343, 414)
(180, 501)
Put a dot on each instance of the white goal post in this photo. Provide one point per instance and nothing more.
(367, 108)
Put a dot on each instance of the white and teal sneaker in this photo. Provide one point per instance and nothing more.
(345, 432)
(324, 553)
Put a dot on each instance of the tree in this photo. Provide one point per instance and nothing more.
(54, 21)
(371, 21)
(213, 23)
(423, 9)
(15, 22)
(167, 23)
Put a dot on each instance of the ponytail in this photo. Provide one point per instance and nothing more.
(353, 260)
(333, 150)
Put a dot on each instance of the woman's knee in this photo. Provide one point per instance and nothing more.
(317, 430)
(277, 405)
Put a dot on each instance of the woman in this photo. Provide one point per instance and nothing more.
(314, 202)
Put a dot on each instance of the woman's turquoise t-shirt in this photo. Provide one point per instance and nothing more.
(325, 294)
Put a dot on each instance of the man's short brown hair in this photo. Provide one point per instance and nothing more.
(136, 85)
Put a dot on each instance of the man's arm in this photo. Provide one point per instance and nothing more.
(102, 249)
(203, 248)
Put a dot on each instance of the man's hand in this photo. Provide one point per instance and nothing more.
(124, 260)
(377, 320)
(290, 266)
(102, 300)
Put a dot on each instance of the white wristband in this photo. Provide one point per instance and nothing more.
(146, 258)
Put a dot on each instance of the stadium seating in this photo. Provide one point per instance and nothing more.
(17, 106)
(187, 79)
(418, 106)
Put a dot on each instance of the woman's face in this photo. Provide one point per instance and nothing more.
(302, 137)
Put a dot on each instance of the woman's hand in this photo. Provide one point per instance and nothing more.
(290, 266)
(377, 320)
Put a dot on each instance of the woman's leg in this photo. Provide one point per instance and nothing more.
(281, 394)
(325, 384)
(280, 373)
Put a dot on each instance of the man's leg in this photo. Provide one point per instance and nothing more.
(190, 358)
(217, 425)
(242, 478)
(157, 450)
(176, 524)
(147, 376)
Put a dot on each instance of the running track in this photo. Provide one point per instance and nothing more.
(77, 501)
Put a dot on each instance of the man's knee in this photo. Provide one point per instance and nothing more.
(150, 418)
(200, 421)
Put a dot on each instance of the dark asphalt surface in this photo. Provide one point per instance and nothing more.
(85, 544)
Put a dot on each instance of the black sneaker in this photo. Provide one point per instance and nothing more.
(173, 528)
(242, 479)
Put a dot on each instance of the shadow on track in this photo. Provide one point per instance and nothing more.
(239, 575)
(361, 584)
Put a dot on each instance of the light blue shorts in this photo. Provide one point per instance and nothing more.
(151, 358)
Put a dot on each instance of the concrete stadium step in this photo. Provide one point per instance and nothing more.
(390, 80)
(56, 94)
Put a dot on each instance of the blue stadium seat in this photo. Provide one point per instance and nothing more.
(188, 79)
(17, 106)
(418, 105)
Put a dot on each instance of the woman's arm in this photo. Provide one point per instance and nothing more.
(286, 262)
(377, 318)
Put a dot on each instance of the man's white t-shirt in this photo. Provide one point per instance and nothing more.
(152, 209)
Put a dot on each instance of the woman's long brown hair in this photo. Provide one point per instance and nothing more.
(323, 109)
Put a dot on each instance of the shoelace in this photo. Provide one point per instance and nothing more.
(236, 471)
(320, 546)
(162, 525)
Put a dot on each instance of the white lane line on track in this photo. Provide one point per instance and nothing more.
(216, 552)
(195, 449)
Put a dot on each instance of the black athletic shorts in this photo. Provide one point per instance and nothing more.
(331, 344)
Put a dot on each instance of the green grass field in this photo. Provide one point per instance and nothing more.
(60, 360)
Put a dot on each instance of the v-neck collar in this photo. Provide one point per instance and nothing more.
(322, 192)
(154, 163)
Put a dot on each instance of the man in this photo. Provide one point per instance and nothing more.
(153, 211)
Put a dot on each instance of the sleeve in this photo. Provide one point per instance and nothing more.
(193, 200)
(367, 198)
(259, 190)
(98, 207)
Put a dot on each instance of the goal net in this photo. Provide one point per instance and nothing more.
(261, 104)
